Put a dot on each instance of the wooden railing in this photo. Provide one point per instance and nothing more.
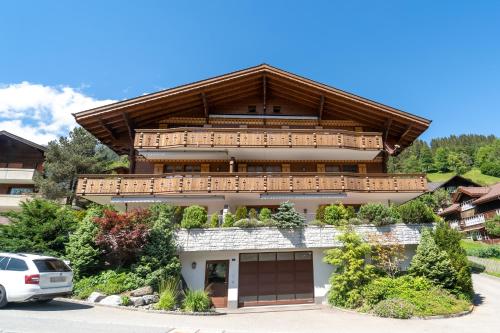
(248, 183)
(256, 138)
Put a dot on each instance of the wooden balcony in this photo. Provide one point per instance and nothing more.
(203, 183)
(256, 138)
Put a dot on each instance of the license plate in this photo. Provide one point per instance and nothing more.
(57, 279)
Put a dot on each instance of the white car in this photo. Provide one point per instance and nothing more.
(31, 277)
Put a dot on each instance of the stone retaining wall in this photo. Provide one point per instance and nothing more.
(221, 239)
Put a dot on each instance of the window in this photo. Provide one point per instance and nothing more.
(17, 265)
(3, 263)
(51, 265)
(169, 168)
(252, 108)
(350, 168)
(264, 168)
(276, 108)
(332, 168)
(20, 190)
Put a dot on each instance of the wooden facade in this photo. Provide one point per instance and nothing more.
(256, 131)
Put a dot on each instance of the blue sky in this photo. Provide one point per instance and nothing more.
(436, 59)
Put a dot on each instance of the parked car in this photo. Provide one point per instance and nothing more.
(31, 277)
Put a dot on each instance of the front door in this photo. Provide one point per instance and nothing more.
(216, 277)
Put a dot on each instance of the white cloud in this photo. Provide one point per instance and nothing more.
(41, 113)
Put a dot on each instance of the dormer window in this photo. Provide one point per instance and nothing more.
(276, 108)
(252, 108)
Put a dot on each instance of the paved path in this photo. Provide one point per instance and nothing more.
(68, 318)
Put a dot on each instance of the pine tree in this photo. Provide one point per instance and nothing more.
(432, 262)
(287, 217)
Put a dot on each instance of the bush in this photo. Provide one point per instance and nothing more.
(486, 252)
(287, 217)
(448, 240)
(352, 273)
(229, 220)
(394, 308)
(41, 226)
(320, 213)
(416, 211)
(433, 263)
(194, 217)
(125, 300)
(108, 282)
(81, 250)
(196, 301)
(158, 258)
(122, 236)
(214, 220)
(493, 226)
(247, 223)
(252, 214)
(336, 215)
(317, 223)
(265, 214)
(476, 267)
(378, 214)
(355, 221)
(169, 293)
(241, 213)
(491, 168)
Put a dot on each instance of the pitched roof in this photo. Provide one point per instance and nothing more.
(25, 141)
(450, 209)
(492, 194)
(110, 123)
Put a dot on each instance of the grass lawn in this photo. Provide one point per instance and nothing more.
(468, 244)
(474, 174)
(493, 274)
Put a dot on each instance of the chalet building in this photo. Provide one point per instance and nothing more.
(451, 184)
(256, 137)
(471, 207)
(20, 160)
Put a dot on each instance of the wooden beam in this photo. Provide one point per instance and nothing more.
(321, 106)
(264, 92)
(107, 129)
(387, 127)
(205, 104)
(405, 133)
(128, 123)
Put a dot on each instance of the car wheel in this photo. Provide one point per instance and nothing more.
(3, 297)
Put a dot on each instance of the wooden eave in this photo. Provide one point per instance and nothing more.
(197, 99)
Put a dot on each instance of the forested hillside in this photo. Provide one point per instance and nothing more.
(465, 154)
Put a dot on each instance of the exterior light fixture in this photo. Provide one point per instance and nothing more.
(193, 265)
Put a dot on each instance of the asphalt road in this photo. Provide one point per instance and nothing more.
(60, 316)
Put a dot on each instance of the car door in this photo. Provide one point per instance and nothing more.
(13, 273)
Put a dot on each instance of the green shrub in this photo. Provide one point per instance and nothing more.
(241, 213)
(125, 300)
(264, 214)
(355, 221)
(448, 240)
(432, 262)
(416, 211)
(352, 273)
(196, 301)
(108, 282)
(169, 293)
(229, 220)
(247, 223)
(317, 223)
(336, 214)
(394, 308)
(194, 217)
(491, 168)
(378, 214)
(320, 213)
(252, 214)
(476, 267)
(493, 226)
(492, 251)
(214, 220)
(287, 217)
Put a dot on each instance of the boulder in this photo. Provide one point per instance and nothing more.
(141, 291)
(150, 299)
(136, 301)
(95, 297)
(112, 300)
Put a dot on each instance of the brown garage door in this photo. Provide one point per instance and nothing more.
(275, 278)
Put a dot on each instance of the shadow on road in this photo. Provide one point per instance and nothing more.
(51, 306)
(478, 299)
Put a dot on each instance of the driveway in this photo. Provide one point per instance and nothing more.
(68, 318)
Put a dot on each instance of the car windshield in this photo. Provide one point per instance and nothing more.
(51, 265)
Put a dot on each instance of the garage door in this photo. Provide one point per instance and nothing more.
(275, 278)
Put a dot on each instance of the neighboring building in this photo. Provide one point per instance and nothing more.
(20, 160)
(255, 137)
(471, 207)
(452, 184)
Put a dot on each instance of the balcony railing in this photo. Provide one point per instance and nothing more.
(466, 205)
(256, 138)
(478, 218)
(248, 183)
(17, 175)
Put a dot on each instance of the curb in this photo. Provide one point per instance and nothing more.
(129, 308)
(446, 316)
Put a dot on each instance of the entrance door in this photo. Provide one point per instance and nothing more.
(216, 277)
